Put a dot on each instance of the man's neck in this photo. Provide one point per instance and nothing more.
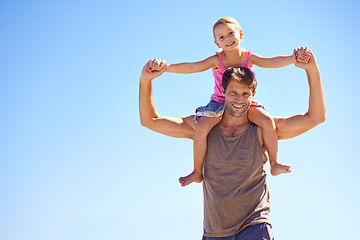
(233, 126)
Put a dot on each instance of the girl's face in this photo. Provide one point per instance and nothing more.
(227, 37)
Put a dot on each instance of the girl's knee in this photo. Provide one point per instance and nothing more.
(261, 117)
(201, 129)
(205, 124)
(267, 121)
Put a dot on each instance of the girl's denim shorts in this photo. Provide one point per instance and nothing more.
(212, 109)
(216, 109)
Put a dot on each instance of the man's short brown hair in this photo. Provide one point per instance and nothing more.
(241, 74)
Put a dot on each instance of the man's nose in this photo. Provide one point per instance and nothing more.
(238, 98)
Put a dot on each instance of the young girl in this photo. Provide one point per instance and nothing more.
(228, 35)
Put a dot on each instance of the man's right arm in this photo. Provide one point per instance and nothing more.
(174, 127)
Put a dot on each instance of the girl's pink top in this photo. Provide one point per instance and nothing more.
(218, 73)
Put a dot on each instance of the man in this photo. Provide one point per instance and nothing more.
(236, 197)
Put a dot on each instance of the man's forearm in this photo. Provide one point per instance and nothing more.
(317, 105)
(147, 110)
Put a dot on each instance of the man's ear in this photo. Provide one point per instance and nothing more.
(254, 93)
(222, 91)
(218, 45)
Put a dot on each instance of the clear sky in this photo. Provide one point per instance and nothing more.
(75, 162)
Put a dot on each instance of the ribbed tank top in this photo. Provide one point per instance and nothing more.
(235, 187)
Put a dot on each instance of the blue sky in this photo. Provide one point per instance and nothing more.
(75, 162)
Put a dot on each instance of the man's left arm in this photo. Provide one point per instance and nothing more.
(295, 125)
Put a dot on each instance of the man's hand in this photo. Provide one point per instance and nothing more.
(153, 69)
(303, 55)
(156, 65)
(311, 63)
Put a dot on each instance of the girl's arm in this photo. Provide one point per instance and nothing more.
(194, 67)
(270, 62)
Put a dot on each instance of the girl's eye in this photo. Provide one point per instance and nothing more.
(221, 37)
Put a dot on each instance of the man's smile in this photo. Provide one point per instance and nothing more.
(238, 106)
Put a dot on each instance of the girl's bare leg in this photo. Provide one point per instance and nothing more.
(202, 129)
(263, 119)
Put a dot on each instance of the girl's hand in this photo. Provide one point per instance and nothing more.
(156, 65)
(304, 65)
(148, 74)
(302, 55)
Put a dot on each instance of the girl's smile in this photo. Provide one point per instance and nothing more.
(230, 44)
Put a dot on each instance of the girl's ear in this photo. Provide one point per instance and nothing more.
(241, 34)
(254, 93)
(218, 45)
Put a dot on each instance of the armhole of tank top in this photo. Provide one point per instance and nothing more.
(221, 65)
(258, 141)
(248, 54)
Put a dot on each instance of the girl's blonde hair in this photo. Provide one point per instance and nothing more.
(228, 21)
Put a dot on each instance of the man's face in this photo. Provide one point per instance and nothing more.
(238, 98)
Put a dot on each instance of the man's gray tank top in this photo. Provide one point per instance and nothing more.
(235, 188)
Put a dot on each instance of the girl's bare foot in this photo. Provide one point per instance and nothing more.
(195, 176)
(277, 169)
